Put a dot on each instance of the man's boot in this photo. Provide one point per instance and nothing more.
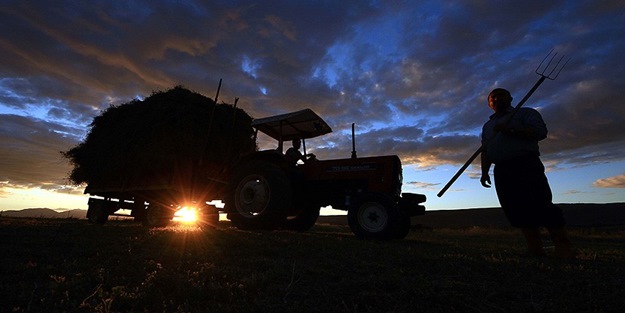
(562, 243)
(534, 242)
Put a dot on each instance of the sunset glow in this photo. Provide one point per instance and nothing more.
(186, 215)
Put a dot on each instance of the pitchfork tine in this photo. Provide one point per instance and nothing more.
(556, 68)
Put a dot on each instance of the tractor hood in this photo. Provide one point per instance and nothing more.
(301, 124)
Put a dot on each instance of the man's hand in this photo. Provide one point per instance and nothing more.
(485, 180)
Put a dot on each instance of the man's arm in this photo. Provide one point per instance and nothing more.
(485, 164)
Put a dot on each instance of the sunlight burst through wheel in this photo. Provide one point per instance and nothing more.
(186, 215)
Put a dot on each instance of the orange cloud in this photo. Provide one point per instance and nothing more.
(611, 182)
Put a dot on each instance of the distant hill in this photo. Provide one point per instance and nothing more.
(45, 213)
(576, 214)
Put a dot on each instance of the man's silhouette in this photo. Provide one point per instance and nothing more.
(522, 187)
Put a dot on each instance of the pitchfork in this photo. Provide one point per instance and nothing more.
(550, 71)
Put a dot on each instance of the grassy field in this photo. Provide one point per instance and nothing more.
(65, 265)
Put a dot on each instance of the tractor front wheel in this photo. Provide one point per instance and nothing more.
(377, 217)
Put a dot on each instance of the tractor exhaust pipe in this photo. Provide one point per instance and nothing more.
(353, 142)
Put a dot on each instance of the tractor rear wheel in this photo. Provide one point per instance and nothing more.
(259, 197)
(303, 220)
(376, 216)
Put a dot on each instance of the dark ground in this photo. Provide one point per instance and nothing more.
(579, 214)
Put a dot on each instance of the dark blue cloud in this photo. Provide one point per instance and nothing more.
(412, 75)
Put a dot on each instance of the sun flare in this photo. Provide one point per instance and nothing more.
(186, 215)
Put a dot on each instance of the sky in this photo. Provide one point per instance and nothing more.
(412, 75)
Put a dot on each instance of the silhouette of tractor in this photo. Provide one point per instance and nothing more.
(268, 191)
(263, 189)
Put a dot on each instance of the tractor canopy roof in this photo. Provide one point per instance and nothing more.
(301, 124)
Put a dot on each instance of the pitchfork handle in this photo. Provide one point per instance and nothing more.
(466, 164)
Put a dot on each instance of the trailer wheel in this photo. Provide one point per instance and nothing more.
(259, 197)
(138, 209)
(210, 219)
(376, 217)
(157, 215)
(97, 212)
(303, 220)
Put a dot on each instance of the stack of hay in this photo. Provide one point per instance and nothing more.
(159, 140)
